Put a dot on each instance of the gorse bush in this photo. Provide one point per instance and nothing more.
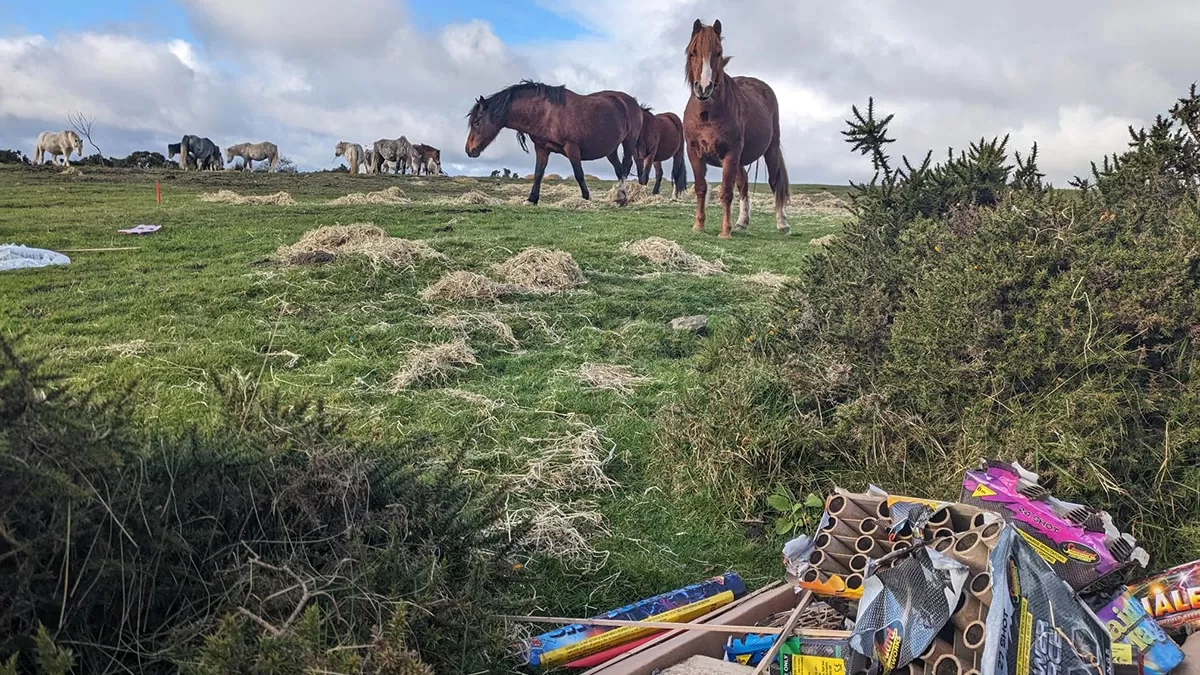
(971, 311)
(261, 540)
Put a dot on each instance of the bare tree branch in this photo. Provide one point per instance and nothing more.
(82, 124)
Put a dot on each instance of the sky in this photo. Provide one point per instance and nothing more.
(305, 74)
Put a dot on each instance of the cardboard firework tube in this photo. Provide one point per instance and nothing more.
(942, 533)
(972, 552)
(935, 650)
(869, 546)
(973, 636)
(968, 611)
(948, 664)
(859, 563)
(811, 575)
(831, 524)
(981, 587)
(963, 517)
(940, 518)
(943, 545)
(991, 533)
(827, 563)
(900, 545)
(831, 544)
(854, 582)
(841, 506)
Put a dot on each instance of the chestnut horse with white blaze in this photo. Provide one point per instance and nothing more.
(582, 127)
(730, 122)
(662, 139)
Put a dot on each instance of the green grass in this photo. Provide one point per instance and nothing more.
(200, 298)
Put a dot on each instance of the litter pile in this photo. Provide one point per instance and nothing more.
(1008, 579)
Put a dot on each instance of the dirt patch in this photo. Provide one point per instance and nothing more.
(433, 363)
(669, 254)
(542, 269)
(463, 285)
(230, 197)
(621, 379)
(360, 239)
(392, 195)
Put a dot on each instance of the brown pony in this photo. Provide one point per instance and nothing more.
(730, 122)
(662, 139)
(580, 127)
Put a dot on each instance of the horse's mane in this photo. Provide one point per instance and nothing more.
(499, 103)
(647, 108)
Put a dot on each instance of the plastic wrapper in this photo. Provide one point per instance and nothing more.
(1172, 597)
(1137, 639)
(1036, 624)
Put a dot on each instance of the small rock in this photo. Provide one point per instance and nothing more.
(697, 324)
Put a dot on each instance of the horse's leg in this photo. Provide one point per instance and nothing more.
(622, 194)
(743, 188)
(699, 168)
(539, 170)
(729, 175)
(778, 178)
(657, 176)
(571, 150)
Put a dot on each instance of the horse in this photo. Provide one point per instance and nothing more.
(428, 158)
(730, 122)
(661, 139)
(581, 127)
(57, 143)
(352, 152)
(253, 152)
(397, 150)
(194, 148)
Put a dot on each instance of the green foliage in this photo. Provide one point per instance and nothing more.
(972, 311)
(133, 543)
(795, 515)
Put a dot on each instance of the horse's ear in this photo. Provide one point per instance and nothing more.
(725, 61)
(717, 26)
(696, 27)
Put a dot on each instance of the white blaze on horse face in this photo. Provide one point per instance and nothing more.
(706, 75)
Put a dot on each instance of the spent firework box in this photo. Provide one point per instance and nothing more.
(577, 641)
(1136, 639)
(1171, 597)
(1081, 555)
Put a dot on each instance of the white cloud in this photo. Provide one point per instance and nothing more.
(308, 73)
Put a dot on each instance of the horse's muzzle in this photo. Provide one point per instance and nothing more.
(702, 92)
(473, 153)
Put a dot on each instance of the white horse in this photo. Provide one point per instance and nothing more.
(353, 152)
(57, 143)
(253, 152)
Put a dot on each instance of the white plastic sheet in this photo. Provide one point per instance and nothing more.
(17, 257)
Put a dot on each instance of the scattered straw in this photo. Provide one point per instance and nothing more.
(392, 195)
(470, 197)
(470, 322)
(362, 239)
(823, 241)
(542, 269)
(127, 350)
(433, 363)
(768, 279)
(486, 404)
(620, 379)
(463, 285)
(231, 197)
(669, 254)
(558, 531)
(70, 171)
(568, 462)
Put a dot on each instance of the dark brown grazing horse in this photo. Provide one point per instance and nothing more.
(662, 139)
(581, 127)
(730, 122)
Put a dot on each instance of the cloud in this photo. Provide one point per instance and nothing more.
(308, 73)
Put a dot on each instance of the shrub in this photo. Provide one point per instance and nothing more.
(256, 536)
(970, 311)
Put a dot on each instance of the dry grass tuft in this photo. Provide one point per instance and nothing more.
(127, 350)
(392, 195)
(639, 195)
(463, 285)
(470, 197)
(823, 241)
(621, 379)
(433, 363)
(71, 171)
(768, 279)
(486, 404)
(542, 269)
(362, 239)
(558, 531)
(231, 197)
(470, 322)
(568, 462)
(576, 203)
(669, 254)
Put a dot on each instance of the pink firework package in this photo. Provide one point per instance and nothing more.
(1080, 543)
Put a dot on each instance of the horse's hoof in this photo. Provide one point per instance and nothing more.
(785, 230)
(742, 226)
(725, 235)
(697, 227)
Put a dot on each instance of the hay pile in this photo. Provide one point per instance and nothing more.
(576, 203)
(463, 285)
(392, 195)
(231, 197)
(541, 269)
(468, 323)
(433, 363)
(567, 462)
(621, 379)
(768, 279)
(669, 254)
(470, 197)
(561, 531)
(639, 195)
(362, 239)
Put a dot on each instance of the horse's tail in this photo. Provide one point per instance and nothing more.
(679, 169)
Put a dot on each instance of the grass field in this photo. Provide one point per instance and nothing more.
(205, 293)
